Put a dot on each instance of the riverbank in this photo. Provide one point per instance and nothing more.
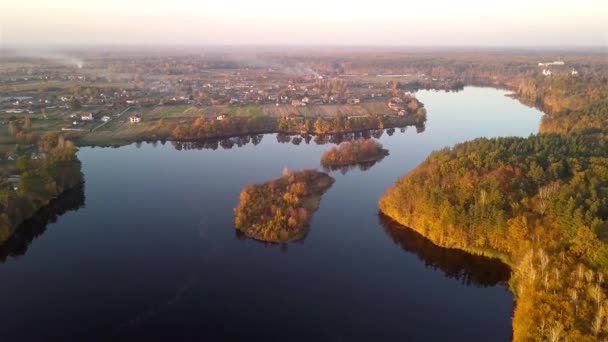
(200, 129)
(18, 243)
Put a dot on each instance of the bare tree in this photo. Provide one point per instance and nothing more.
(595, 291)
(545, 195)
(543, 259)
(596, 325)
(574, 296)
(554, 332)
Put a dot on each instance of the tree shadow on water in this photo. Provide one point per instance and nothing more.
(472, 270)
(35, 226)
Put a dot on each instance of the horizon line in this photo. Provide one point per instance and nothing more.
(535, 47)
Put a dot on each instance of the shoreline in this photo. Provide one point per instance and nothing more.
(385, 153)
(473, 251)
(79, 142)
(14, 228)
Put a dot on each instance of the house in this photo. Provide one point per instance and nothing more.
(135, 118)
(105, 118)
(13, 181)
(395, 104)
(294, 116)
(36, 155)
(87, 117)
(573, 72)
(221, 117)
(558, 62)
(217, 101)
(353, 101)
(350, 117)
(546, 72)
(298, 103)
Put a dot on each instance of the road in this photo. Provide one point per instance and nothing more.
(118, 117)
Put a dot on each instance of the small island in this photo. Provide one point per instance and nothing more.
(280, 210)
(353, 153)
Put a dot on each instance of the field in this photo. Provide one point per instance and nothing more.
(120, 131)
(39, 87)
(329, 110)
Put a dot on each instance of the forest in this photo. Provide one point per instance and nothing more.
(540, 204)
(40, 181)
(280, 210)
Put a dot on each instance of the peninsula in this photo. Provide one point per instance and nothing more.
(538, 203)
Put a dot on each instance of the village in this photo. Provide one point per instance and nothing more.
(85, 98)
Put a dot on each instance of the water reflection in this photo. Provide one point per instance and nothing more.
(283, 138)
(215, 143)
(283, 246)
(470, 269)
(19, 242)
(344, 169)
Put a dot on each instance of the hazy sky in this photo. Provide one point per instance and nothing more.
(307, 22)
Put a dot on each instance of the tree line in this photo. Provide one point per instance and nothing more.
(40, 181)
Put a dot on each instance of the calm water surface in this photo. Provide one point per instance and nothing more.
(147, 251)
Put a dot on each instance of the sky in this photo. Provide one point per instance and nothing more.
(308, 22)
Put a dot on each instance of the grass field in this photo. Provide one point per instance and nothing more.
(365, 108)
(120, 131)
(39, 87)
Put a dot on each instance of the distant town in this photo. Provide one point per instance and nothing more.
(86, 97)
(91, 92)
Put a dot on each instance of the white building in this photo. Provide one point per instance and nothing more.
(298, 103)
(135, 118)
(87, 117)
(105, 118)
(546, 64)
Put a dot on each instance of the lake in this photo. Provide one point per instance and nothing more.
(148, 250)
